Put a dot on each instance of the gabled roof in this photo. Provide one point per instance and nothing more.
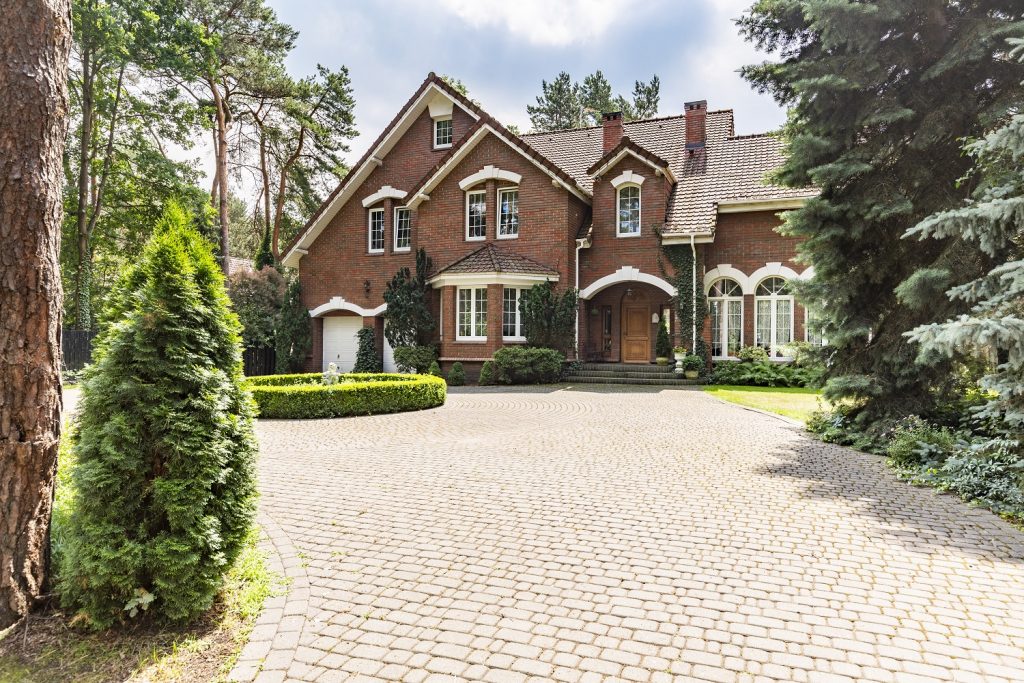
(493, 259)
(729, 169)
(626, 147)
(488, 125)
(371, 158)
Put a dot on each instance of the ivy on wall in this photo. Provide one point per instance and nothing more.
(681, 258)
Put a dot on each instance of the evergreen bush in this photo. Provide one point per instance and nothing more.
(549, 318)
(292, 337)
(764, 374)
(415, 358)
(435, 370)
(366, 355)
(456, 376)
(916, 442)
(164, 484)
(526, 365)
(663, 344)
(486, 374)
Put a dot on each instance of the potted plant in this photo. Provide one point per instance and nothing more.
(662, 346)
(679, 352)
(692, 365)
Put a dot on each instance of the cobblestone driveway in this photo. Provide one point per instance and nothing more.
(599, 535)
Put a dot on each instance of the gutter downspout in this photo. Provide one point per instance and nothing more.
(576, 337)
(693, 340)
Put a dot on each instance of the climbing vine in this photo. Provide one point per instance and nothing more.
(681, 258)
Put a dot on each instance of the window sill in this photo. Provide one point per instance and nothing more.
(375, 252)
(476, 239)
(448, 146)
(403, 250)
(471, 340)
(514, 340)
(627, 234)
(508, 237)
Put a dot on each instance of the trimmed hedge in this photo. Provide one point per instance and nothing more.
(305, 397)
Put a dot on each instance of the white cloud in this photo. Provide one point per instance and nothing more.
(542, 22)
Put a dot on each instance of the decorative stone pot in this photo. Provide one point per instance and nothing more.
(679, 364)
(661, 360)
(692, 374)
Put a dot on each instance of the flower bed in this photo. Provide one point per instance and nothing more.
(305, 396)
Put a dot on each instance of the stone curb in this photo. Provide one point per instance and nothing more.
(272, 642)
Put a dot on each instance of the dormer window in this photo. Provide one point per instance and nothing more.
(628, 220)
(442, 133)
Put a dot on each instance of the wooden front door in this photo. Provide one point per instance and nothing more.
(636, 333)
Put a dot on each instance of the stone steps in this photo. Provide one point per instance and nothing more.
(628, 373)
(669, 381)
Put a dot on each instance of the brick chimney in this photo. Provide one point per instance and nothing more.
(612, 125)
(696, 124)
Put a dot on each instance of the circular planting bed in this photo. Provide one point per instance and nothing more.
(306, 396)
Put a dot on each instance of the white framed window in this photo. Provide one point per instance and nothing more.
(376, 240)
(476, 215)
(472, 320)
(511, 319)
(628, 221)
(508, 213)
(814, 332)
(773, 315)
(403, 229)
(725, 306)
(442, 133)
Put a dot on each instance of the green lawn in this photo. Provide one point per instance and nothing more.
(795, 402)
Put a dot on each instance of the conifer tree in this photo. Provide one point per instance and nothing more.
(993, 223)
(293, 336)
(164, 484)
(366, 354)
(559, 106)
(880, 95)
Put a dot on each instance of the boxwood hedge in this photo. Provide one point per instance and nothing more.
(304, 396)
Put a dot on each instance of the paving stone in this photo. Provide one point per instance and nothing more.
(641, 534)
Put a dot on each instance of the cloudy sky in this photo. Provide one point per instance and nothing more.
(502, 50)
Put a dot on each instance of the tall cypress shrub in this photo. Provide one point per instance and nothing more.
(164, 487)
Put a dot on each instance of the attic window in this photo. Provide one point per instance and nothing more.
(442, 133)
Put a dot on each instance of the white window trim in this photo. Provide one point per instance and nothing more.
(433, 132)
(821, 333)
(468, 195)
(639, 212)
(519, 319)
(773, 324)
(497, 221)
(725, 328)
(394, 229)
(369, 231)
(627, 177)
(472, 313)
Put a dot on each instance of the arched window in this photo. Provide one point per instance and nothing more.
(628, 223)
(725, 305)
(773, 315)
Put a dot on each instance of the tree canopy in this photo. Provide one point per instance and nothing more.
(564, 103)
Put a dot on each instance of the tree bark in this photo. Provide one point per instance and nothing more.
(282, 188)
(35, 42)
(83, 317)
(221, 108)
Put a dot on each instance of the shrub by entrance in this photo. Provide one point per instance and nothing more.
(306, 396)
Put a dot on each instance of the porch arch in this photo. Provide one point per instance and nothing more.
(626, 274)
(338, 303)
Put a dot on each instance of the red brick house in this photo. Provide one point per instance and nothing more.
(587, 208)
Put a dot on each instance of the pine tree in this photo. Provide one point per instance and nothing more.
(264, 255)
(596, 97)
(559, 106)
(994, 223)
(879, 96)
(164, 484)
(646, 97)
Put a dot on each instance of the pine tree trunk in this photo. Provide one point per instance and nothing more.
(221, 110)
(83, 315)
(34, 43)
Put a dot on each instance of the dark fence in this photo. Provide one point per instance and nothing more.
(259, 361)
(76, 348)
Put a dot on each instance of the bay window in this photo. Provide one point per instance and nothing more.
(472, 319)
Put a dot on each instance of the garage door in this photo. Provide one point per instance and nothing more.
(389, 357)
(340, 341)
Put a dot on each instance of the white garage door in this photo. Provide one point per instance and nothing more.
(389, 357)
(340, 341)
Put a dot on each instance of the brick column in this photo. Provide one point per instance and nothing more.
(494, 294)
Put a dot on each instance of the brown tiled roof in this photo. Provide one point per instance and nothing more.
(627, 143)
(492, 259)
(729, 167)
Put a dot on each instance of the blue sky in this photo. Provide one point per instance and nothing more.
(501, 50)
